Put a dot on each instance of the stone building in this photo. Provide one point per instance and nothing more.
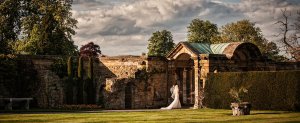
(189, 64)
(131, 82)
(186, 65)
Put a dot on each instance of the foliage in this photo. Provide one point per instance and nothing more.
(290, 35)
(90, 68)
(65, 68)
(80, 68)
(46, 26)
(59, 67)
(10, 23)
(160, 43)
(200, 31)
(78, 88)
(245, 31)
(90, 50)
(238, 93)
(269, 90)
(142, 74)
(70, 67)
(80, 82)
(89, 85)
(18, 77)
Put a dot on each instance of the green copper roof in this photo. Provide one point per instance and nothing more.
(205, 48)
(218, 48)
(202, 48)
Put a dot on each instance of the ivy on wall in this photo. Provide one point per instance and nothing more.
(17, 77)
(78, 83)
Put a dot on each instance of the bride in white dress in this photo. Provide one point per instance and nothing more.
(175, 96)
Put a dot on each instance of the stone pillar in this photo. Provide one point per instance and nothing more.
(191, 86)
(184, 82)
(196, 75)
(171, 79)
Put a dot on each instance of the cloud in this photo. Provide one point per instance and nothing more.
(123, 27)
(266, 13)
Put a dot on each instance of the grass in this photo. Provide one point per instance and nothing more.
(182, 115)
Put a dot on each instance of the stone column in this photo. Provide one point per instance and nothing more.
(171, 79)
(196, 74)
(191, 86)
(184, 77)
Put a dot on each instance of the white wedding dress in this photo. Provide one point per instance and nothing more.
(175, 96)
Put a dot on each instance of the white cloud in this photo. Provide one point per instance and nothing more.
(266, 13)
(123, 27)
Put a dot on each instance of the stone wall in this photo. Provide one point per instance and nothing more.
(133, 81)
(144, 77)
(51, 93)
(48, 87)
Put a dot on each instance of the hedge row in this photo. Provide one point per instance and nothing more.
(267, 90)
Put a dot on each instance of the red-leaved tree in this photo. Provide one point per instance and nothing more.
(90, 50)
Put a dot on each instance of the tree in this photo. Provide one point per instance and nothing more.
(46, 26)
(200, 31)
(160, 43)
(245, 31)
(290, 35)
(10, 24)
(90, 50)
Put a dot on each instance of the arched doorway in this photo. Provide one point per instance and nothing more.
(184, 69)
(128, 96)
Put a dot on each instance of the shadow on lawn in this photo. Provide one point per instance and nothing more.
(258, 113)
(42, 120)
(47, 111)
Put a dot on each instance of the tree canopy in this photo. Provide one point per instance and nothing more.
(201, 31)
(46, 26)
(160, 43)
(90, 50)
(10, 23)
(245, 31)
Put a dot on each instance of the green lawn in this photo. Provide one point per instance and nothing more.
(182, 115)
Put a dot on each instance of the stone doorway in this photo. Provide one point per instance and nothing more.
(185, 77)
(128, 96)
(184, 69)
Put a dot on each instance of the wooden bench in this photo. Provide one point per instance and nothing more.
(8, 102)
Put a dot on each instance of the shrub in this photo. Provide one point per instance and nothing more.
(59, 67)
(70, 67)
(80, 82)
(269, 90)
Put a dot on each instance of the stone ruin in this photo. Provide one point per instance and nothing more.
(138, 82)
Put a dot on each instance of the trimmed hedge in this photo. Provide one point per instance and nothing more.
(268, 90)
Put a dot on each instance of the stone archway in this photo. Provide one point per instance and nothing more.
(184, 60)
(184, 75)
(128, 96)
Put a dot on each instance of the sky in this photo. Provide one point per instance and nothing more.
(123, 27)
